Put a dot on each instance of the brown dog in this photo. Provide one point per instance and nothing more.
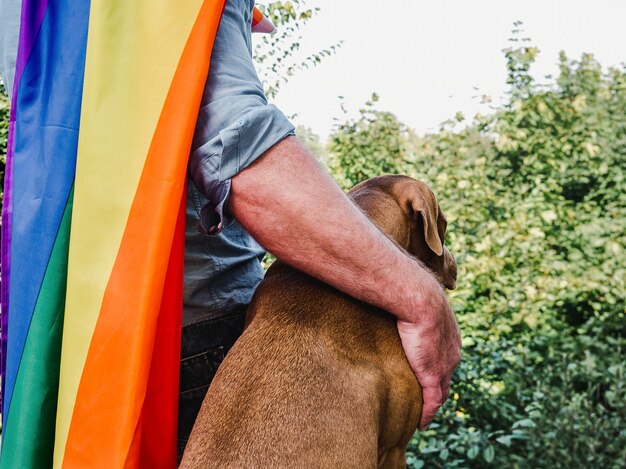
(319, 379)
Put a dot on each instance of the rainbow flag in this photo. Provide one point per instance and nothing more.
(104, 107)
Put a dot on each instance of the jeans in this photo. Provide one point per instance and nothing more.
(204, 346)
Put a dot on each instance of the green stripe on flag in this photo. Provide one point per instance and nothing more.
(28, 439)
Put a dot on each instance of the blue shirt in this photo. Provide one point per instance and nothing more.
(10, 11)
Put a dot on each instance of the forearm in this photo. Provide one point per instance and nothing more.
(288, 202)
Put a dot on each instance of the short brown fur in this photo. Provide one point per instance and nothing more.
(319, 379)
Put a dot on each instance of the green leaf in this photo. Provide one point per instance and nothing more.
(525, 423)
(489, 453)
(505, 440)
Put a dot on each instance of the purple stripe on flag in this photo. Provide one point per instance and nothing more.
(5, 258)
(31, 18)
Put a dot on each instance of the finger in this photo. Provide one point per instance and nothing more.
(432, 402)
(445, 387)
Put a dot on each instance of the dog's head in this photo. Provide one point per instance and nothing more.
(408, 212)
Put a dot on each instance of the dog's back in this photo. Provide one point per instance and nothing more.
(318, 379)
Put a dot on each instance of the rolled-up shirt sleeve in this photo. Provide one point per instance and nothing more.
(216, 161)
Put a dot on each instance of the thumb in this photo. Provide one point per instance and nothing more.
(433, 399)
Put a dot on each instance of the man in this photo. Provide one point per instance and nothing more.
(247, 165)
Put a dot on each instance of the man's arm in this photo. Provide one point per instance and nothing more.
(288, 202)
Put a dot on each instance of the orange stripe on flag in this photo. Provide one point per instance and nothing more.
(112, 390)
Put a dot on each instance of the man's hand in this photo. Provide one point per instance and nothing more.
(432, 345)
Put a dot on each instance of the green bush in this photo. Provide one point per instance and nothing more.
(375, 143)
(536, 206)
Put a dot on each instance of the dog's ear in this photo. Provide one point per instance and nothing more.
(424, 205)
(442, 223)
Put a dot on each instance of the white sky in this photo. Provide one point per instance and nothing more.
(424, 58)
